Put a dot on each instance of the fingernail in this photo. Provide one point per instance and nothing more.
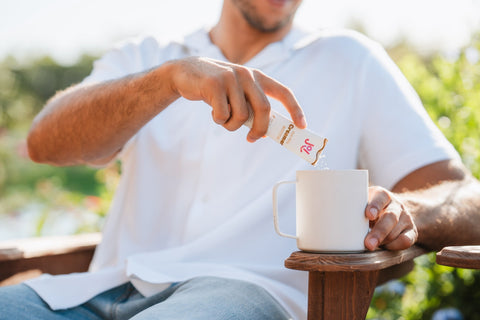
(373, 243)
(303, 122)
(374, 212)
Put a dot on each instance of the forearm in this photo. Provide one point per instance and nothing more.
(446, 214)
(90, 123)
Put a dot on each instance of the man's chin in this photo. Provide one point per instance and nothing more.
(268, 28)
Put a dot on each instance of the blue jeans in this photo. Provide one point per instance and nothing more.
(199, 298)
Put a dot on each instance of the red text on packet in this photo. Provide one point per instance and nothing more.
(307, 147)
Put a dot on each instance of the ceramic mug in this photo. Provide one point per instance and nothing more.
(330, 210)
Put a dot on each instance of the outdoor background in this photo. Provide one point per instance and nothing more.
(47, 45)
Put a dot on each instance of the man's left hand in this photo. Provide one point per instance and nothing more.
(392, 225)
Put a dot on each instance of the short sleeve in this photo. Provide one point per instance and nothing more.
(127, 58)
(398, 136)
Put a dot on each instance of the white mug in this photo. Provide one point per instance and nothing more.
(330, 207)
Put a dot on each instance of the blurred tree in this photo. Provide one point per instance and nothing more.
(25, 87)
(449, 87)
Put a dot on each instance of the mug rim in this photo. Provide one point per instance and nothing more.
(334, 170)
(329, 172)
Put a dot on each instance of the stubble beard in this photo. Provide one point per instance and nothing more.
(256, 21)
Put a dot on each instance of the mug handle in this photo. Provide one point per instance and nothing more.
(275, 209)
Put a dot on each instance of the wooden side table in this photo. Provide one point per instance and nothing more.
(341, 285)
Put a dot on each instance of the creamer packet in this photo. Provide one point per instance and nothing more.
(303, 142)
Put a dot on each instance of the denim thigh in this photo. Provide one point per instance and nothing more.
(194, 299)
(216, 298)
(19, 302)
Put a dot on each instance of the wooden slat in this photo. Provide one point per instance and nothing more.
(44, 246)
(25, 258)
(365, 261)
(460, 256)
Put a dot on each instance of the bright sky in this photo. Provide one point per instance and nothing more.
(67, 28)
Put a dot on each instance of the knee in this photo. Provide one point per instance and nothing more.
(239, 297)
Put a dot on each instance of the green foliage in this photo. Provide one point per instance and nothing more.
(450, 91)
(26, 87)
(428, 288)
(24, 90)
(449, 87)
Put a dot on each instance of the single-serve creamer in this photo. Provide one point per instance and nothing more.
(303, 142)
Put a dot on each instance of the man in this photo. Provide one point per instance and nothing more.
(189, 234)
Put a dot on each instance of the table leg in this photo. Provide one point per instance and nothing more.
(340, 294)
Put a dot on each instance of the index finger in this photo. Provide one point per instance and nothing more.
(278, 91)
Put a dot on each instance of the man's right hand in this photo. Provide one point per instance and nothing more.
(90, 124)
(233, 91)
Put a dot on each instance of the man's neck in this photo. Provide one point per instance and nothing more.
(239, 42)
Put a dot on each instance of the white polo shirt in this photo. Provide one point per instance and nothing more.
(195, 199)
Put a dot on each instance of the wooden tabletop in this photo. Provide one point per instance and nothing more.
(363, 261)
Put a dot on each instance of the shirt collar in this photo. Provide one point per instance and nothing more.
(199, 44)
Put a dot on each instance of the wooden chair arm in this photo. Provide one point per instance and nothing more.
(21, 259)
(341, 286)
(365, 261)
(467, 257)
